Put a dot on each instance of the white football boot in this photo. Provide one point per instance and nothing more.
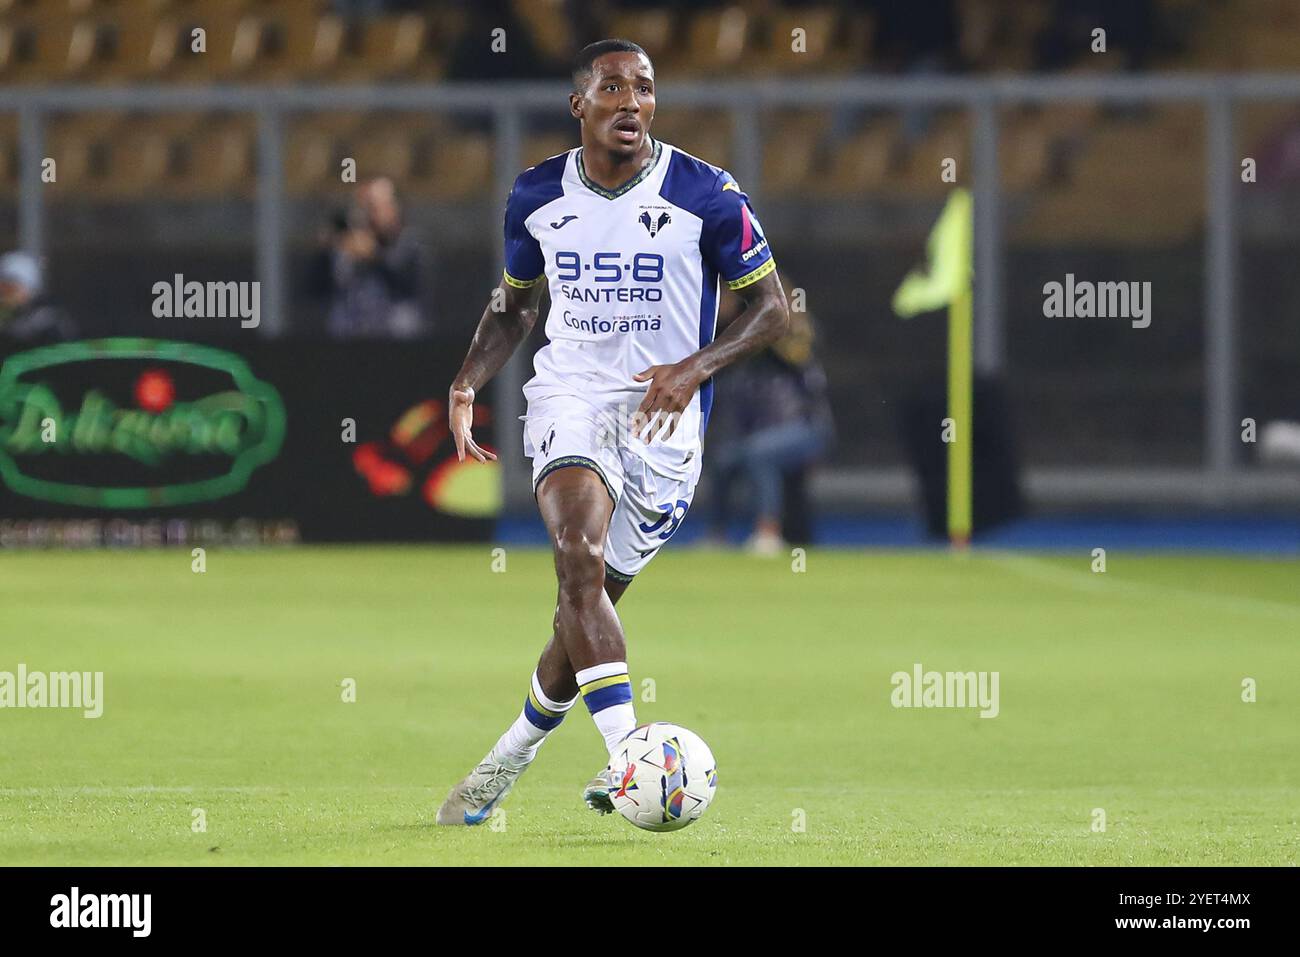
(598, 790)
(473, 799)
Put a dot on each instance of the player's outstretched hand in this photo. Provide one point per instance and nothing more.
(671, 389)
(460, 415)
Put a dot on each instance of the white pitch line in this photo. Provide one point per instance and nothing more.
(73, 789)
(1039, 569)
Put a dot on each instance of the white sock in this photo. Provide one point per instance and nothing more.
(608, 695)
(540, 716)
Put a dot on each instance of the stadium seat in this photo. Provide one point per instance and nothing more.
(863, 162)
(314, 147)
(383, 144)
(390, 47)
(947, 138)
(108, 156)
(138, 159)
(544, 146)
(217, 159)
(458, 167)
(790, 144)
(311, 160)
(228, 51)
(654, 31)
(1257, 122)
(1024, 152)
(703, 133)
(1269, 48)
(383, 150)
(999, 36)
(549, 27)
(128, 48)
(718, 40)
(1134, 183)
(35, 48)
(81, 146)
(828, 41)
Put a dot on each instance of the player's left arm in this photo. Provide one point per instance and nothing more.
(731, 243)
(764, 320)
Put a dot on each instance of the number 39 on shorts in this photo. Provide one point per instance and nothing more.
(671, 516)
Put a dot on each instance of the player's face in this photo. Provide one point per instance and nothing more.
(619, 104)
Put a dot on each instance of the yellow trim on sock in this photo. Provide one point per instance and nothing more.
(599, 683)
(532, 696)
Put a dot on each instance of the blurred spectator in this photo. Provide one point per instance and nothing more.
(374, 266)
(915, 36)
(473, 58)
(1131, 31)
(777, 421)
(25, 313)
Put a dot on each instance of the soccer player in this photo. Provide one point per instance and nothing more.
(632, 237)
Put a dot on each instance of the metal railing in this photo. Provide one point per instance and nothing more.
(509, 103)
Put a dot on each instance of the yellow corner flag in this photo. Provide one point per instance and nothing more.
(947, 282)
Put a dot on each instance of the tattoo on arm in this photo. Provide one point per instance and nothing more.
(498, 335)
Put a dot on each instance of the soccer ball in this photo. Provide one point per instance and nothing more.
(666, 777)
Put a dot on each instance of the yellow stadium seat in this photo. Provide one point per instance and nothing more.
(790, 154)
(384, 153)
(459, 168)
(703, 133)
(652, 30)
(538, 148)
(312, 160)
(548, 22)
(1131, 182)
(174, 51)
(391, 47)
(219, 159)
(718, 40)
(1024, 153)
(36, 48)
(804, 41)
(863, 163)
(947, 138)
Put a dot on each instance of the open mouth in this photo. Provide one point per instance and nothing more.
(627, 130)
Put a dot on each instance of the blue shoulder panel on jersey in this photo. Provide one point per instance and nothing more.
(533, 189)
(690, 183)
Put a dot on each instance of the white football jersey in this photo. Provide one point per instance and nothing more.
(634, 277)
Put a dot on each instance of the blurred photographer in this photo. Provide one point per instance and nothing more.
(375, 269)
(25, 314)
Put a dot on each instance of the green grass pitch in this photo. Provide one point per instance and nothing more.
(1120, 691)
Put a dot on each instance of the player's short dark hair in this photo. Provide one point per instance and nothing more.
(592, 51)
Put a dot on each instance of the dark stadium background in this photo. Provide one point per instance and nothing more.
(343, 617)
(163, 167)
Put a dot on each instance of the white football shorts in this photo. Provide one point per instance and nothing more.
(564, 430)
